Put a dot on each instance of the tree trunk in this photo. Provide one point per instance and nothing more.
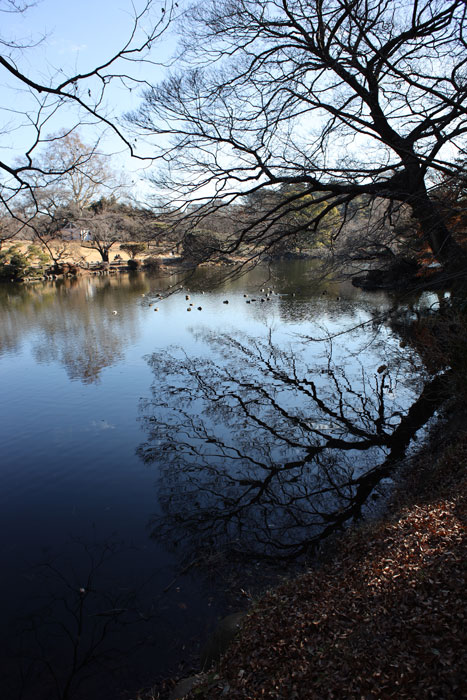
(435, 232)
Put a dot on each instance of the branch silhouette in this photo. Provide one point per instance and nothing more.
(260, 454)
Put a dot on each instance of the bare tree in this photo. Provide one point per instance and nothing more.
(81, 95)
(84, 174)
(346, 98)
(107, 223)
(51, 203)
(10, 227)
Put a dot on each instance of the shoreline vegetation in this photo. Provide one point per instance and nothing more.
(382, 614)
(77, 260)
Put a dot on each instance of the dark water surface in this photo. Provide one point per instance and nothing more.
(94, 499)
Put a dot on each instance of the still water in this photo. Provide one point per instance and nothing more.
(111, 439)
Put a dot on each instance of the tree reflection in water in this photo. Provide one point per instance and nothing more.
(70, 322)
(260, 454)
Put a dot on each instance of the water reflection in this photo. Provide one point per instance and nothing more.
(265, 451)
(84, 324)
(83, 630)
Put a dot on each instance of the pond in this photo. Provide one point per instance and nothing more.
(144, 432)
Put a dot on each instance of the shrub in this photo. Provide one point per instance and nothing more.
(152, 264)
(200, 246)
(16, 265)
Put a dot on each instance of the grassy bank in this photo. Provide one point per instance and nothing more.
(384, 616)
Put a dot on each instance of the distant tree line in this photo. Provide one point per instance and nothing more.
(91, 198)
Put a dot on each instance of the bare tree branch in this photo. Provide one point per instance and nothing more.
(345, 98)
(82, 92)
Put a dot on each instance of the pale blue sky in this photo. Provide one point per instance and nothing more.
(77, 37)
(77, 33)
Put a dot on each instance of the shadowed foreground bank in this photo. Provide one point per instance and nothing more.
(383, 617)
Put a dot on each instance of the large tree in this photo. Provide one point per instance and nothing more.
(52, 202)
(347, 98)
(110, 222)
(84, 174)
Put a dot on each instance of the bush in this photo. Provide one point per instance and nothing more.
(64, 268)
(16, 265)
(152, 264)
(441, 338)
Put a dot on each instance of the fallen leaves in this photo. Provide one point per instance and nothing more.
(385, 618)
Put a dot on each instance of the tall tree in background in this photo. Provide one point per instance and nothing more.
(84, 173)
(10, 227)
(347, 98)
